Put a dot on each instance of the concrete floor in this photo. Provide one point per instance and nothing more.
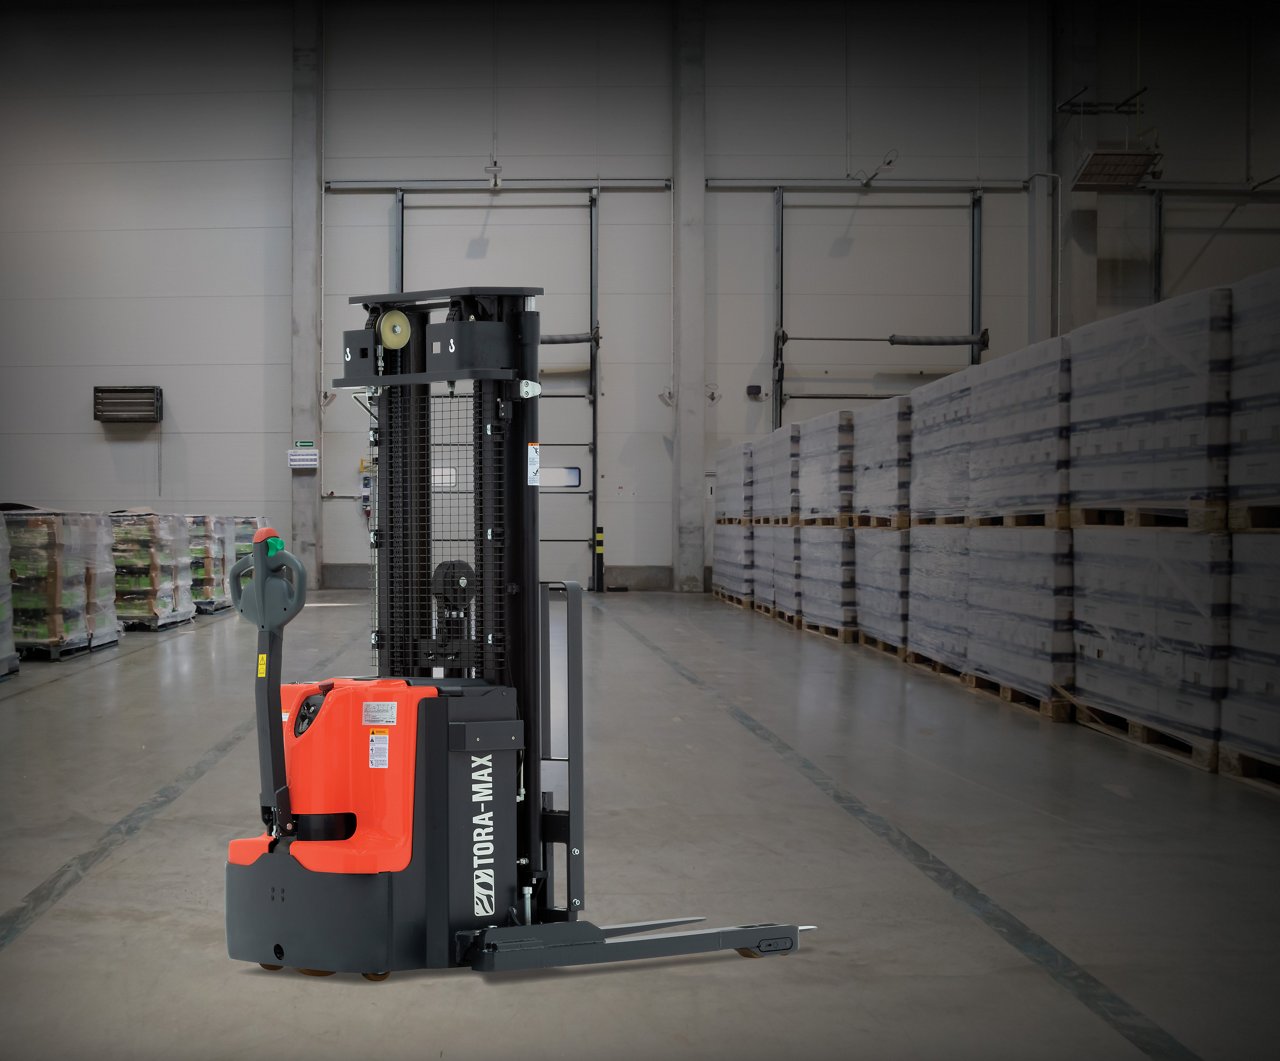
(986, 885)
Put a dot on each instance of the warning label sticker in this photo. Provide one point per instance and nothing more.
(379, 748)
(262, 664)
(378, 713)
(535, 464)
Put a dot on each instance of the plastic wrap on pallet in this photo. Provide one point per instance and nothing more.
(1020, 614)
(1019, 418)
(827, 565)
(1149, 404)
(882, 458)
(734, 489)
(8, 650)
(732, 560)
(1254, 474)
(153, 568)
(940, 436)
(785, 550)
(58, 567)
(100, 578)
(938, 611)
(1251, 707)
(245, 528)
(881, 566)
(775, 469)
(207, 538)
(762, 564)
(825, 483)
(1152, 611)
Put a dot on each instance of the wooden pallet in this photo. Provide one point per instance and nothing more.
(56, 652)
(787, 618)
(898, 521)
(155, 623)
(937, 521)
(1250, 767)
(1054, 518)
(1055, 709)
(745, 603)
(1245, 516)
(1198, 516)
(866, 640)
(733, 521)
(765, 609)
(919, 659)
(827, 521)
(792, 520)
(208, 607)
(1199, 752)
(844, 635)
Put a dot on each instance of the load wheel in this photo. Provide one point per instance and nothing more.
(377, 978)
(747, 952)
(271, 968)
(316, 972)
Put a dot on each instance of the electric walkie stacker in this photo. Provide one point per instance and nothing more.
(406, 820)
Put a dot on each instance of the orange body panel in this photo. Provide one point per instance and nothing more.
(352, 759)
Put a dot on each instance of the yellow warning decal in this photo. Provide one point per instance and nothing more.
(262, 664)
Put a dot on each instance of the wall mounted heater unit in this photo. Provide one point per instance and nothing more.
(128, 405)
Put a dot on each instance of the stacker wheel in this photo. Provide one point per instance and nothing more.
(747, 952)
(377, 978)
(271, 968)
(316, 972)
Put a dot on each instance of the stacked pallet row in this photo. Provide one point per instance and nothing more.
(153, 569)
(62, 591)
(775, 501)
(881, 512)
(211, 542)
(824, 540)
(1148, 480)
(1018, 596)
(1250, 735)
(733, 556)
(245, 528)
(937, 610)
(8, 651)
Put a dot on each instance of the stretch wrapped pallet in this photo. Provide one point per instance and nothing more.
(153, 568)
(1019, 608)
(1152, 621)
(1019, 419)
(210, 540)
(825, 483)
(775, 469)
(784, 549)
(1149, 405)
(762, 546)
(733, 481)
(63, 589)
(732, 560)
(882, 458)
(1251, 707)
(881, 577)
(827, 576)
(940, 438)
(8, 651)
(938, 621)
(1254, 475)
(245, 528)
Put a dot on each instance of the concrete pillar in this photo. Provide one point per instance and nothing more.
(689, 170)
(1076, 65)
(1042, 191)
(308, 53)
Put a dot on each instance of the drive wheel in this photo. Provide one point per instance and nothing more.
(316, 972)
(377, 978)
(747, 952)
(271, 968)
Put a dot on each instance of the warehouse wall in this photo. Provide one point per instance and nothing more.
(145, 212)
(145, 220)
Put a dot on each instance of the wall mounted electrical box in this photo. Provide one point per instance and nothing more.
(128, 405)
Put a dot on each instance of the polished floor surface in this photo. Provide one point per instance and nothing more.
(985, 884)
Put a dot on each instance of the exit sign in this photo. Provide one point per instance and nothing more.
(303, 443)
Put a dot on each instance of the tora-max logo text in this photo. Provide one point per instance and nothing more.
(482, 834)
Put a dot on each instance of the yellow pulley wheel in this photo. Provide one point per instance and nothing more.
(393, 329)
